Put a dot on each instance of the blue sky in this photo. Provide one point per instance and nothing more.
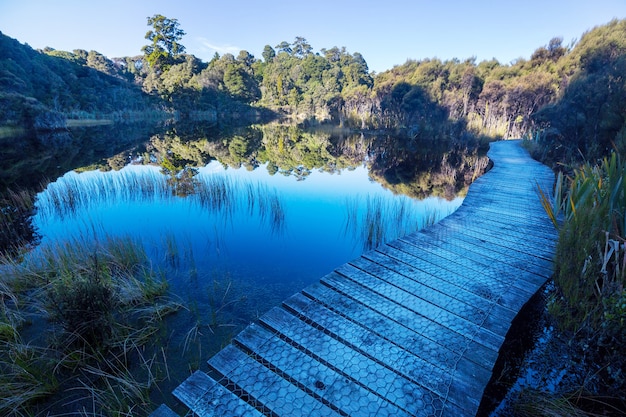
(385, 32)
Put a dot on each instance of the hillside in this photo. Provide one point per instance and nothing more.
(40, 89)
(572, 97)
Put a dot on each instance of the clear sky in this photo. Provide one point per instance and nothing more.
(385, 32)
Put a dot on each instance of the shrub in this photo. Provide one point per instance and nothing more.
(590, 211)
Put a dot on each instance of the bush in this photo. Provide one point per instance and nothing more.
(83, 306)
(590, 264)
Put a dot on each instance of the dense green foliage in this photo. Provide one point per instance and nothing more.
(40, 88)
(587, 120)
(572, 95)
(164, 49)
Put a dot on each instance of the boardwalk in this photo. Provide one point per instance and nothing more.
(412, 328)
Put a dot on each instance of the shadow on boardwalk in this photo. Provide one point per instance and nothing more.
(412, 328)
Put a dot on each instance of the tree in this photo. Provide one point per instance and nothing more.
(284, 46)
(246, 58)
(165, 35)
(301, 47)
(268, 54)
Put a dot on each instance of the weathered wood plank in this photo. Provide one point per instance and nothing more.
(467, 262)
(538, 266)
(206, 398)
(463, 304)
(511, 231)
(266, 389)
(371, 374)
(432, 310)
(481, 259)
(483, 284)
(333, 388)
(523, 241)
(428, 349)
(419, 323)
(164, 411)
(389, 354)
(417, 281)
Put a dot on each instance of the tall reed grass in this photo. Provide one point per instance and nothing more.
(16, 229)
(216, 193)
(103, 304)
(380, 219)
(591, 255)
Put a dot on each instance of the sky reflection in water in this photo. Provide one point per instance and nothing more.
(266, 259)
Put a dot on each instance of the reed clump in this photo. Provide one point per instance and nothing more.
(381, 220)
(217, 194)
(100, 306)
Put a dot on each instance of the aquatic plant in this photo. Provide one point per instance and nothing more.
(75, 193)
(380, 220)
(104, 303)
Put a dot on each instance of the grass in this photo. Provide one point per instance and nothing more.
(381, 220)
(590, 256)
(76, 193)
(533, 403)
(100, 305)
(16, 229)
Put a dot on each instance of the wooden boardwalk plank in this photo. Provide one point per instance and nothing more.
(491, 250)
(455, 322)
(487, 285)
(386, 327)
(413, 327)
(163, 411)
(511, 230)
(389, 354)
(381, 380)
(463, 304)
(480, 259)
(431, 329)
(264, 387)
(205, 397)
(523, 241)
(331, 387)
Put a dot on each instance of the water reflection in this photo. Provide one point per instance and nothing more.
(262, 204)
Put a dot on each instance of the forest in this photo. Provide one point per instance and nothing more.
(570, 97)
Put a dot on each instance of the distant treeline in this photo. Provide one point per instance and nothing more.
(570, 97)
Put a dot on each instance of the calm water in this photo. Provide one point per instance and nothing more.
(238, 224)
(271, 233)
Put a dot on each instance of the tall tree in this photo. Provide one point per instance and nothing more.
(165, 47)
(301, 47)
(268, 54)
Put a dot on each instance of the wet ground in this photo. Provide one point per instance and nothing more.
(541, 372)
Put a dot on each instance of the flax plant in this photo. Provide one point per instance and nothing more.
(589, 210)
